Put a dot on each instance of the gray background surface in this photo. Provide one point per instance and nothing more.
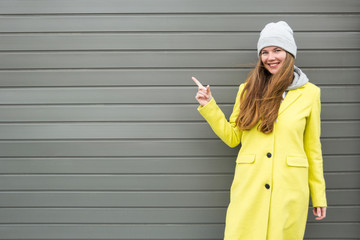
(99, 133)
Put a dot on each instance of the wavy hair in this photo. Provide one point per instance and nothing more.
(262, 95)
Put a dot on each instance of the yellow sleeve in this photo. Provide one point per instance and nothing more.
(226, 130)
(313, 151)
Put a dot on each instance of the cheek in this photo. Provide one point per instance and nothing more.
(263, 59)
(283, 56)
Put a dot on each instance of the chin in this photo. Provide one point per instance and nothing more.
(272, 71)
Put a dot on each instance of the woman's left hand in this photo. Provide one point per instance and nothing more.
(319, 212)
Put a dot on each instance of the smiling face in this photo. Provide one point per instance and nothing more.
(273, 58)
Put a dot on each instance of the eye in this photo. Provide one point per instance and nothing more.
(264, 53)
(278, 50)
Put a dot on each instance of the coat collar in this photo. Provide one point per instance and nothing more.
(290, 98)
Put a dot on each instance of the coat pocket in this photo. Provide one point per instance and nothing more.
(245, 158)
(297, 162)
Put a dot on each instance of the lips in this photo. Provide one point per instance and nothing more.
(273, 65)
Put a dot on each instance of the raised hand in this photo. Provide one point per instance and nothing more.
(203, 96)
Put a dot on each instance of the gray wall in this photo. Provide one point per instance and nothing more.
(99, 133)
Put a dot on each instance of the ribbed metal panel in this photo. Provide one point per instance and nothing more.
(99, 133)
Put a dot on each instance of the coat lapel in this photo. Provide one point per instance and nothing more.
(290, 98)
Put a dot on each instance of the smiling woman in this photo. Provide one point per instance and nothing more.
(280, 160)
(273, 58)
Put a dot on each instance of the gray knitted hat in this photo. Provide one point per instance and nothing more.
(277, 34)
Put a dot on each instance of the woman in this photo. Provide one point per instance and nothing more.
(276, 118)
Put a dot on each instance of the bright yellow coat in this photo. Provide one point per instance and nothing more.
(274, 173)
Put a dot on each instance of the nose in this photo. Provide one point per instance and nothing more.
(271, 56)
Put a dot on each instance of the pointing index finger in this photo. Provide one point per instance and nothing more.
(197, 82)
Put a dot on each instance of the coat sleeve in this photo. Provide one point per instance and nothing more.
(226, 130)
(313, 151)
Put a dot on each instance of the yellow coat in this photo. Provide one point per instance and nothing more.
(274, 172)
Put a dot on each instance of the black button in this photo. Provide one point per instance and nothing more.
(268, 155)
(267, 186)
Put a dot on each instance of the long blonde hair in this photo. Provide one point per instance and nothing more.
(262, 95)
